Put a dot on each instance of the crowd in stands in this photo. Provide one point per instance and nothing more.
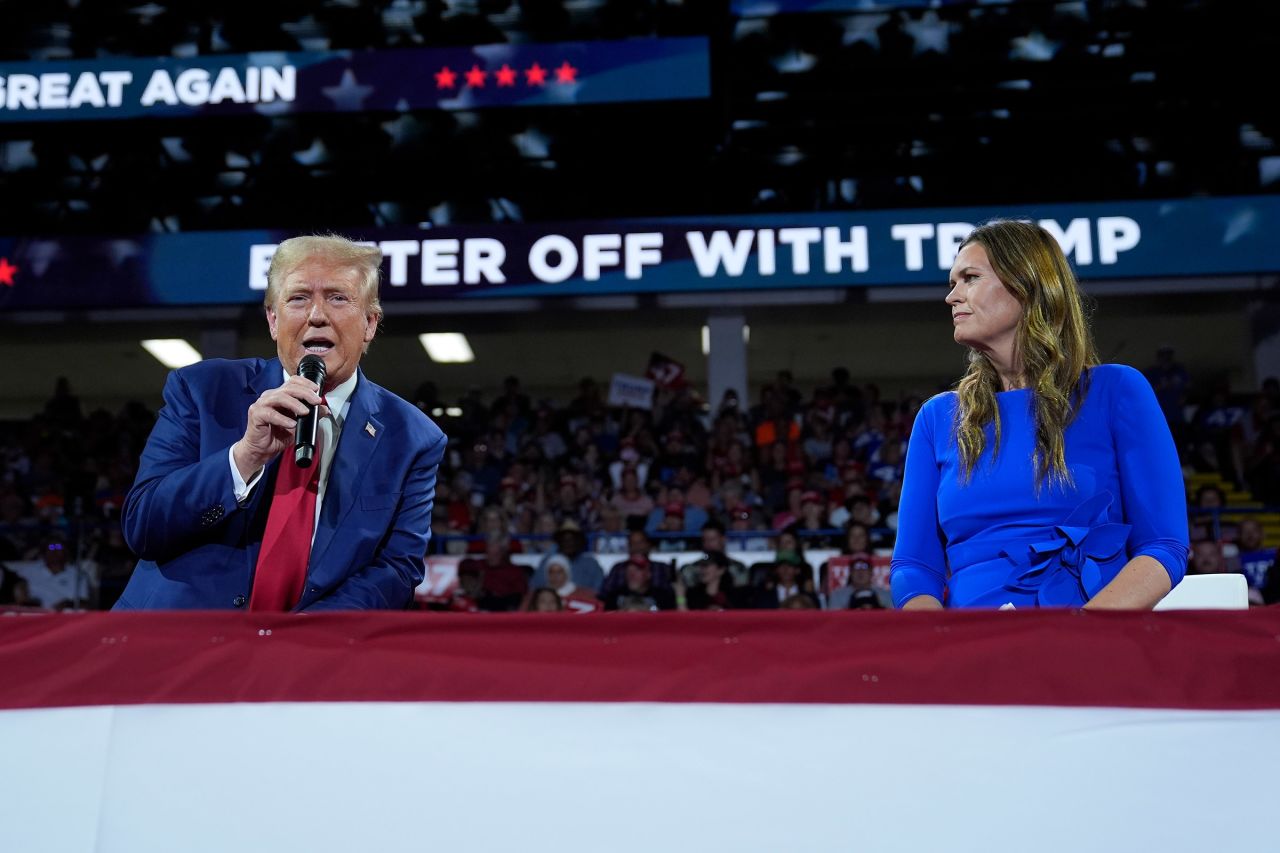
(582, 506)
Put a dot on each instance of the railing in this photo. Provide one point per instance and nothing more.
(738, 540)
(79, 534)
(1215, 515)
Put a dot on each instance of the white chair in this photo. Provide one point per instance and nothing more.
(1227, 591)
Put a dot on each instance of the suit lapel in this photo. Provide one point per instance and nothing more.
(270, 376)
(351, 458)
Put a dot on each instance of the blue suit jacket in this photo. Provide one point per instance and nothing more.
(198, 546)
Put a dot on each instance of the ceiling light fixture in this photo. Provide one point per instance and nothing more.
(447, 347)
(172, 352)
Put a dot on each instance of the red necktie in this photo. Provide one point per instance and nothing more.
(286, 543)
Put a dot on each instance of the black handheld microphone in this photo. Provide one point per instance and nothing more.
(304, 440)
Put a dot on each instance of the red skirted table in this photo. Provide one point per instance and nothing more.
(762, 731)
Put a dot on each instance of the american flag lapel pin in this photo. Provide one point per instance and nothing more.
(368, 427)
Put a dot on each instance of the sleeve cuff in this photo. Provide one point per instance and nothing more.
(239, 487)
(1170, 554)
(907, 582)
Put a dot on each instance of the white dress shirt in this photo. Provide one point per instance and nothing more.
(328, 432)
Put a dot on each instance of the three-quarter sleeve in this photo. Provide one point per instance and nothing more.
(919, 559)
(1151, 484)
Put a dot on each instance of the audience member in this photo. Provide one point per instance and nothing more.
(1206, 515)
(54, 580)
(570, 541)
(1256, 560)
(813, 525)
(672, 523)
(715, 588)
(1219, 435)
(1206, 558)
(715, 540)
(544, 600)
(505, 584)
(469, 591)
(743, 521)
(1171, 382)
(639, 549)
(493, 522)
(789, 545)
(544, 528)
(611, 538)
(842, 595)
(788, 576)
(571, 596)
(638, 590)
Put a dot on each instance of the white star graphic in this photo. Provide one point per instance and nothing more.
(864, 28)
(348, 95)
(929, 33)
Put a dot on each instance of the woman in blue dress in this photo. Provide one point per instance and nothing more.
(1045, 478)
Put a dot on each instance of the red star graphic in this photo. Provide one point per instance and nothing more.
(566, 73)
(475, 77)
(535, 75)
(7, 272)
(445, 79)
(506, 75)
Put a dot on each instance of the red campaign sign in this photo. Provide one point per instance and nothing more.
(838, 569)
(439, 581)
(837, 573)
(665, 372)
(880, 571)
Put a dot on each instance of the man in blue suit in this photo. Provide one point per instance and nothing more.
(202, 501)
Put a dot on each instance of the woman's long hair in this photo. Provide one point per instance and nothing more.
(1054, 345)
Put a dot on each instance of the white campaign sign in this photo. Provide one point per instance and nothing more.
(633, 391)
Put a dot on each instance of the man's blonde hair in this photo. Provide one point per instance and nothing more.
(332, 249)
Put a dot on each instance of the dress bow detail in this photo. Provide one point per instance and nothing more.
(1065, 567)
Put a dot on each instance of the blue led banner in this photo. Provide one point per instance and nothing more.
(500, 75)
(1113, 240)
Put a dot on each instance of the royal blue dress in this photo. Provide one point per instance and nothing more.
(994, 541)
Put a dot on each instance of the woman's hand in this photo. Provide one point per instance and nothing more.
(923, 602)
(1139, 586)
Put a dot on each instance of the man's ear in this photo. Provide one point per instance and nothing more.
(271, 322)
(371, 327)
